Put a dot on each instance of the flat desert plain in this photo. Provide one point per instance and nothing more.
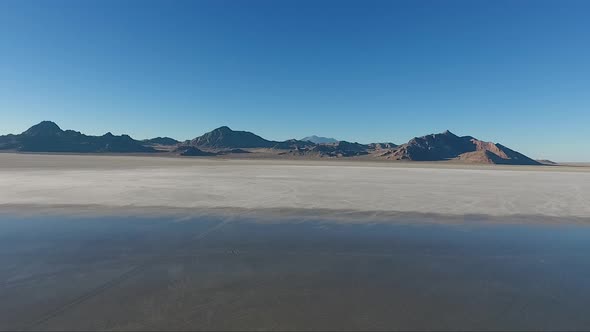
(154, 243)
(331, 187)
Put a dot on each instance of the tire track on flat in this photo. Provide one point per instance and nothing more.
(113, 282)
(87, 296)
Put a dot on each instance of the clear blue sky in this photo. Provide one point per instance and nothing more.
(515, 72)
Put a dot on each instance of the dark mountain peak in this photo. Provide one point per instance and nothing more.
(43, 128)
(446, 137)
(47, 136)
(222, 129)
(224, 137)
(161, 141)
(448, 133)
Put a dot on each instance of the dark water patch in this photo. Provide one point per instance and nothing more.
(136, 273)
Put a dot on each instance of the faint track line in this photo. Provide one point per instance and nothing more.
(28, 279)
(112, 283)
(212, 229)
(84, 297)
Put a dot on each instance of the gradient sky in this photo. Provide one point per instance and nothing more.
(515, 72)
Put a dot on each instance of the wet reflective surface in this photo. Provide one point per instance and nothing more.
(126, 273)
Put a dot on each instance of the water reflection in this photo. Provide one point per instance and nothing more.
(137, 273)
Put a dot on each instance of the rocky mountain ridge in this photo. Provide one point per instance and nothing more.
(49, 137)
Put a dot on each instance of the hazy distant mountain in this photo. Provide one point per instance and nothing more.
(319, 140)
(49, 137)
(338, 149)
(446, 146)
(160, 141)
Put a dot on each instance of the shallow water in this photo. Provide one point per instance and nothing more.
(128, 273)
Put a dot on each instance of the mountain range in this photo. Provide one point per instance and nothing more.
(160, 141)
(49, 137)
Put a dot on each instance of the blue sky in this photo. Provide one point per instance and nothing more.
(514, 72)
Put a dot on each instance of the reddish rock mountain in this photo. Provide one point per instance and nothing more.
(448, 146)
